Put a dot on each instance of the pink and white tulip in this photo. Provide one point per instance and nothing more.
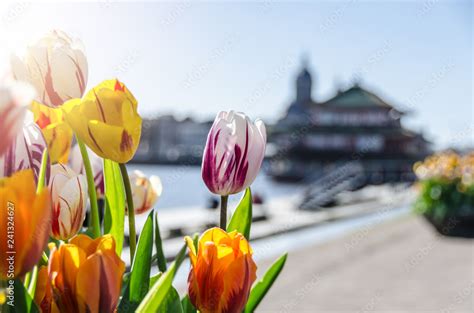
(14, 101)
(69, 201)
(145, 191)
(56, 66)
(234, 153)
(25, 152)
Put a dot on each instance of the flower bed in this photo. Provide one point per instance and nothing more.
(446, 197)
(49, 261)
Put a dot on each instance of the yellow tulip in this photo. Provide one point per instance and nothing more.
(25, 223)
(222, 272)
(106, 120)
(56, 131)
(84, 275)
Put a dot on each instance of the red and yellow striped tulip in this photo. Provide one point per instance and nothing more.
(55, 65)
(106, 120)
(222, 272)
(69, 201)
(25, 222)
(56, 131)
(84, 275)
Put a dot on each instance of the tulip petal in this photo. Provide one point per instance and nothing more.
(88, 285)
(72, 202)
(114, 142)
(31, 214)
(99, 281)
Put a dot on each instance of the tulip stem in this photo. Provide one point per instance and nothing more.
(32, 284)
(42, 172)
(131, 211)
(224, 212)
(94, 218)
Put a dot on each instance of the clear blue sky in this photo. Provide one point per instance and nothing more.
(191, 58)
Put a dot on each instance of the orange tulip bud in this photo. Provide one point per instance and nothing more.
(84, 275)
(25, 222)
(222, 272)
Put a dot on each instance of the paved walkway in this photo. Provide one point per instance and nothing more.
(399, 266)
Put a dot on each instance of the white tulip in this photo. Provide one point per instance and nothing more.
(56, 66)
(145, 191)
(69, 201)
(234, 153)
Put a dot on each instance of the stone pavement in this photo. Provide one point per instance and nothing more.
(397, 266)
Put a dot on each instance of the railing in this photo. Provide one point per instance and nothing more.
(323, 189)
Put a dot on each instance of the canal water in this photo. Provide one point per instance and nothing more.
(183, 186)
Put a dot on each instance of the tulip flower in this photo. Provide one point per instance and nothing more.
(233, 154)
(77, 164)
(145, 191)
(56, 131)
(222, 272)
(84, 275)
(14, 101)
(25, 222)
(107, 121)
(69, 201)
(25, 152)
(56, 66)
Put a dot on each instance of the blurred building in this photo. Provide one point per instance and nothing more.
(167, 140)
(355, 125)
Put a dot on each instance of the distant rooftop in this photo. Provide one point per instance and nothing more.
(356, 97)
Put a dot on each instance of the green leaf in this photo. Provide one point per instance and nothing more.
(114, 217)
(157, 294)
(141, 267)
(242, 218)
(171, 303)
(138, 283)
(159, 247)
(22, 301)
(154, 279)
(261, 288)
(188, 307)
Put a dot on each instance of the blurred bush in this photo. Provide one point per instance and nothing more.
(446, 183)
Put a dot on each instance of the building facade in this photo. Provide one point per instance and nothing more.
(167, 140)
(355, 125)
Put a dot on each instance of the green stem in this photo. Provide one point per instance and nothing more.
(32, 286)
(44, 259)
(94, 221)
(223, 223)
(131, 211)
(27, 279)
(42, 173)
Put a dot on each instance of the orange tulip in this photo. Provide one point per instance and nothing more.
(222, 272)
(84, 275)
(25, 223)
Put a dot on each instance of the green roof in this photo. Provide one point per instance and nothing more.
(356, 97)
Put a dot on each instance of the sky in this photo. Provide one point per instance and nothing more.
(198, 58)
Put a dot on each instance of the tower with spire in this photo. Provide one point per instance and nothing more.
(304, 83)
